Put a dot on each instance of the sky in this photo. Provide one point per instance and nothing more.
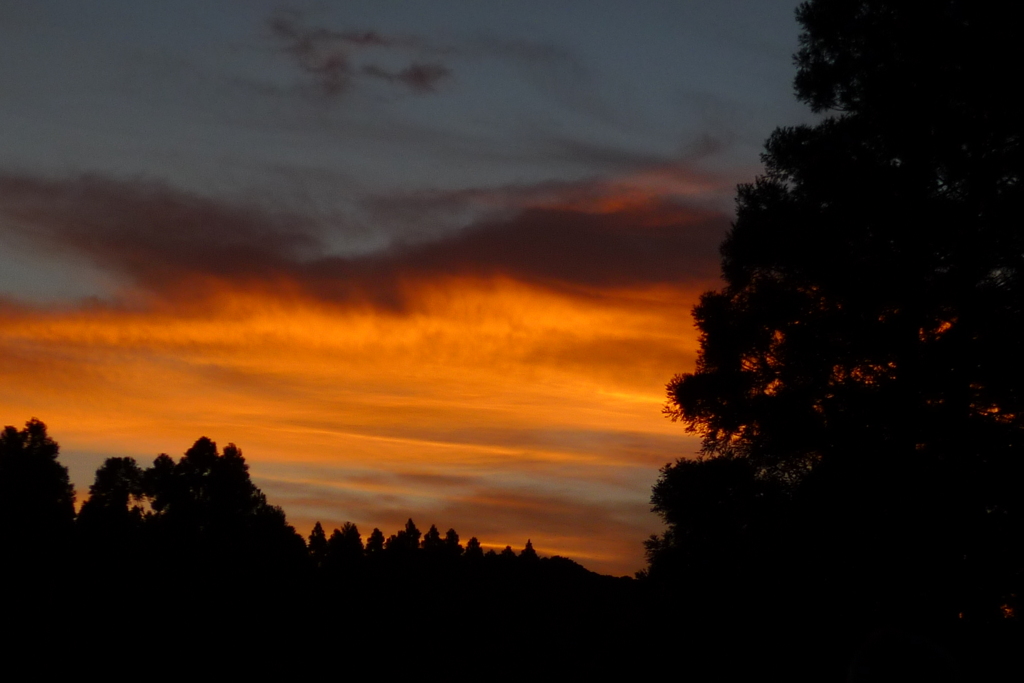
(417, 259)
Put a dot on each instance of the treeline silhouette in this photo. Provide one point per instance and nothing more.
(194, 541)
(202, 509)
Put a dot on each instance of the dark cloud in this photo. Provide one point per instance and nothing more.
(643, 245)
(419, 77)
(151, 233)
(330, 56)
(318, 52)
(176, 244)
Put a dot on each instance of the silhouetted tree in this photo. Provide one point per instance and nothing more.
(858, 355)
(528, 553)
(317, 545)
(375, 543)
(353, 539)
(406, 541)
(159, 477)
(206, 503)
(118, 484)
(36, 497)
(113, 512)
(715, 508)
(345, 547)
(432, 542)
(473, 550)
(452, 547)
(412, 534)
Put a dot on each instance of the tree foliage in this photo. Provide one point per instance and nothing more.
(858, 357)
(345, 547)
(873, 269)
(114, 513)
(432, 541)
(206, 506)
(37, 500)
(474, 551)
(375, 543)
(452, 547)
(317, 546)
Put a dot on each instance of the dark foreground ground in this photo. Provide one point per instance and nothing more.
(549, 618)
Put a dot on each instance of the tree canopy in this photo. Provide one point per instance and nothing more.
(859, 355)
(37, 500)
(207, 503)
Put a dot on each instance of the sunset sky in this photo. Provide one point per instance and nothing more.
(429, 259)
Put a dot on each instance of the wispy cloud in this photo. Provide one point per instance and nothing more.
(336, 59)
